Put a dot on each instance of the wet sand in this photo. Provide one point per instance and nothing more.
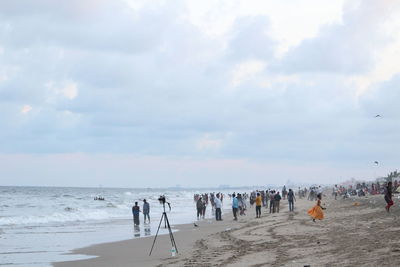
(355, 232)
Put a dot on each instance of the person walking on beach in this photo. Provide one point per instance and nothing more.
(263, 198)
(316, 211)
(277, 201)
(266, 198)
(146, 210)
(235, 206)
(388, 196)
(203, 211)
(258, 205)
(135, 213)
(242, 205)
(272, 202)
(218, 206)
(284, 192)
(199, 206)
(335, 191)
(291, 198)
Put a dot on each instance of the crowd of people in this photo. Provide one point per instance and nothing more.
(362, 189)
(270, 200)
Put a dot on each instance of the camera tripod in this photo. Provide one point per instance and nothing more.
(166, 222)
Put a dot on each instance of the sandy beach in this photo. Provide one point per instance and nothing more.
(355, 232)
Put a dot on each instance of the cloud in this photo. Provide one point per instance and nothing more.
(251, 39)
(246, 71)
(349, 47)
(68, 89)
(150, 80)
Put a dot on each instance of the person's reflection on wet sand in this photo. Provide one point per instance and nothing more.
(136, 231)
(147, 230)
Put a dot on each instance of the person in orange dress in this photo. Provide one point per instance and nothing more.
(316, 211)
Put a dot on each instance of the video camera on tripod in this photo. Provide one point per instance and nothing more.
(164, 218)
(162, 199)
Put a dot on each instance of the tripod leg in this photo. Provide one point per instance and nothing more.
(158, 229)
(171, 236)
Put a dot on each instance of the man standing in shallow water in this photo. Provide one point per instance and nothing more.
(146, 210)
(135, 213)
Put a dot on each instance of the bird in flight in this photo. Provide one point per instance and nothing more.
(376, 162)
(377, 116)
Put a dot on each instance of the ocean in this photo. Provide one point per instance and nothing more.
(40, 225)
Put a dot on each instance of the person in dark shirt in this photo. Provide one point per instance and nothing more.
(199, 206)
(277, 201)
(146, 210)
(291, 199)
(135, 212)
(388, 196)
(272, 202)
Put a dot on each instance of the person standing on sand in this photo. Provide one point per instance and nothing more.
(266, 198)
(135, 213)
(291, 198)
(199, 207)
(203, 210)
(258, 205)
(272, 202)
(316, 211)
(335, 191)
(284, 192)
(235, 206)
(277, 201)
(388, 196)
(146, 210)
(218, 206)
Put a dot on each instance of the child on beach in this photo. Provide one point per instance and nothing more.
(316, 211)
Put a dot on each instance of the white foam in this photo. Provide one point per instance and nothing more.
(60, 217)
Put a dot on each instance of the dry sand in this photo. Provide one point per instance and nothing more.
(355, 232)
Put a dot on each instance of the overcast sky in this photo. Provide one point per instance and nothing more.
(198, 93)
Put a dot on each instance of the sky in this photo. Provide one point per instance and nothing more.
(145, 93)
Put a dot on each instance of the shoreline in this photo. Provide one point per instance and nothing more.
(355, 232)
(185, 235)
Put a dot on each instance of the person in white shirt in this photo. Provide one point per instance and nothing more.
(218, 206)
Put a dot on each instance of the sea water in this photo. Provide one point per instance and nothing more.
(40, 225)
